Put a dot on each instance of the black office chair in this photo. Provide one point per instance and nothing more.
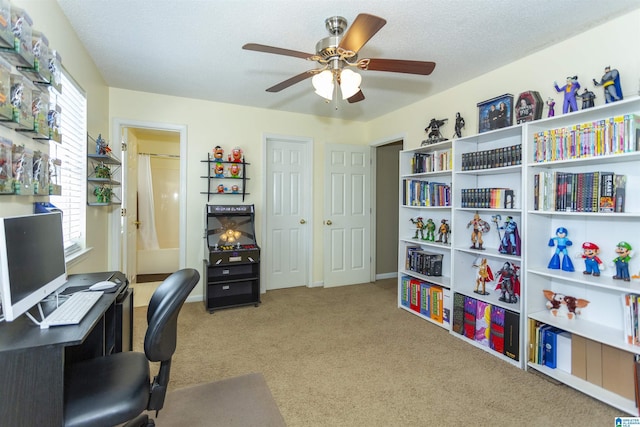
(116, 389)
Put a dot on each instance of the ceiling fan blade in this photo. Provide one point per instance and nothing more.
(363, 28)
(278, 51)
(359, 96)
(400, 66)
(293, 80)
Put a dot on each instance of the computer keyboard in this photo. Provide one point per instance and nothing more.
(72, 310)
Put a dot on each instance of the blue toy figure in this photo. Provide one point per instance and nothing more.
(562, 242)
(570, 90)
(592, 263)
(623, 249)
(610, 81)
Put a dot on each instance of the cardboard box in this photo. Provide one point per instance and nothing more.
(594, 362)
(618, 371)
(579, 356)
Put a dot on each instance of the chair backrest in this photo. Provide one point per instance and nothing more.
(162, 314)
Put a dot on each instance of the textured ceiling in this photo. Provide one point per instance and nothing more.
(193, 48)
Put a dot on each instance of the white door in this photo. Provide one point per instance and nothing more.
(287, 243)
(130, 205)
(347, 215)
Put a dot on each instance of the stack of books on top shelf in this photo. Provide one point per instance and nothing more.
(487, 324)
(424, 193)
(487, 198)
(579, 192)
(489, 159)
(620, 134)
(433, 161)
(425, 298)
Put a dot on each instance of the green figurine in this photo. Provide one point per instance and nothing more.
(623, 249)
(431, 230)
(419, 223)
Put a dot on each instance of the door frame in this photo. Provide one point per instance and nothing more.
(308, 145)
(116, 258)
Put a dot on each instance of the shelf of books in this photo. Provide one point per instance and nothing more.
(424, 249)
(487, 253)
(582, 225)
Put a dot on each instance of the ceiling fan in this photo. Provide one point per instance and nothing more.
(338, 54)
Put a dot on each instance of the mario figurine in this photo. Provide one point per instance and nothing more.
(623, 249)
(592, 263)
(562, 242)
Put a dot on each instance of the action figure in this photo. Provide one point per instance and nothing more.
(623, 249)
(483, 275)
(610, 81)
(433, 131)
(510, 241)
(570, 89)
(551, 104)
(419, 223)
(592, 263)
(102, 146)
(430, 226)
(509, 283)
(443, 232)
(587, 98)
(479, 226)
(562, 242)
(459, 125)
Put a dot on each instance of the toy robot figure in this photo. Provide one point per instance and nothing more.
(510, 241)
(433, 131)
(430, 226)
(623, 249)
(459, 125)
(588, 98)
(562, 242)
(570, 89)
(443, 232)
(419, 223)
(551, 104)
(479, 226)
(610, 81)
(509, 283)
(592, 263)
(483, 275)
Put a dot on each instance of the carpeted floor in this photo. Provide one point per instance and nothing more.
(348, 356)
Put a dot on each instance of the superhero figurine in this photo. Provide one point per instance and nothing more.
(419, 223)
(509, 283)
(510, 241)
(588, 98)
(610, 81)
(562, 242)
(443, 232)
(570, 90)
(592, 263)
(551, 104)
(459, 125)
(430, 226)
(623, 249)
(479, 226)
(483, 276)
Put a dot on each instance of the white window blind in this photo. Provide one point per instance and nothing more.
(73, 154)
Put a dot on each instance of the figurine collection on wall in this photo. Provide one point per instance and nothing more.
(30, 80)
(231, 166)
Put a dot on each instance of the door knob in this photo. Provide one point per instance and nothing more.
(302, 221)
(329, 222)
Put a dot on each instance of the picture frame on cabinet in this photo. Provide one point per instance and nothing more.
(495, 113)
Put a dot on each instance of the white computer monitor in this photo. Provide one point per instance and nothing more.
(32, 262)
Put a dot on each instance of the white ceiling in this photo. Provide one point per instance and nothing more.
(193, 48)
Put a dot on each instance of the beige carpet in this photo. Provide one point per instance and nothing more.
(243, 401)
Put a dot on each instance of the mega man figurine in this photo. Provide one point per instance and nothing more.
(562, 242)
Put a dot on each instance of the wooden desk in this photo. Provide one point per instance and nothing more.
(32, 360)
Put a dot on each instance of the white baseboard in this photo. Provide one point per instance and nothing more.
(391, 275)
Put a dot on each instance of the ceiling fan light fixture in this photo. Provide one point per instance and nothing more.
(323, 84)
(349, 83)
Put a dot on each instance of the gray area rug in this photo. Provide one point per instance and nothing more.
(243, 401)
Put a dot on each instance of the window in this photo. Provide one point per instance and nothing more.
(73, 154)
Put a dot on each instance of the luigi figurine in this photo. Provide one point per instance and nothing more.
(623, 249)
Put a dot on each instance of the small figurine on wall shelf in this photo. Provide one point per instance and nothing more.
(509, 283)
(234, 171)
(459, 125)
(235, 189)
(564, 305)
(483, 275)
(510, 240)
(480, 226)
(433, 131)
(419, 223)
(220, 188)
(430, 226)
(218, 153)
(588, 98)
(236, 155)
(443, 232)
(570, 89)
(102, 146)
(592, 263)
(552, 107)
(561, 242)
(623, 249)
(218, 170)
(610, 82)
